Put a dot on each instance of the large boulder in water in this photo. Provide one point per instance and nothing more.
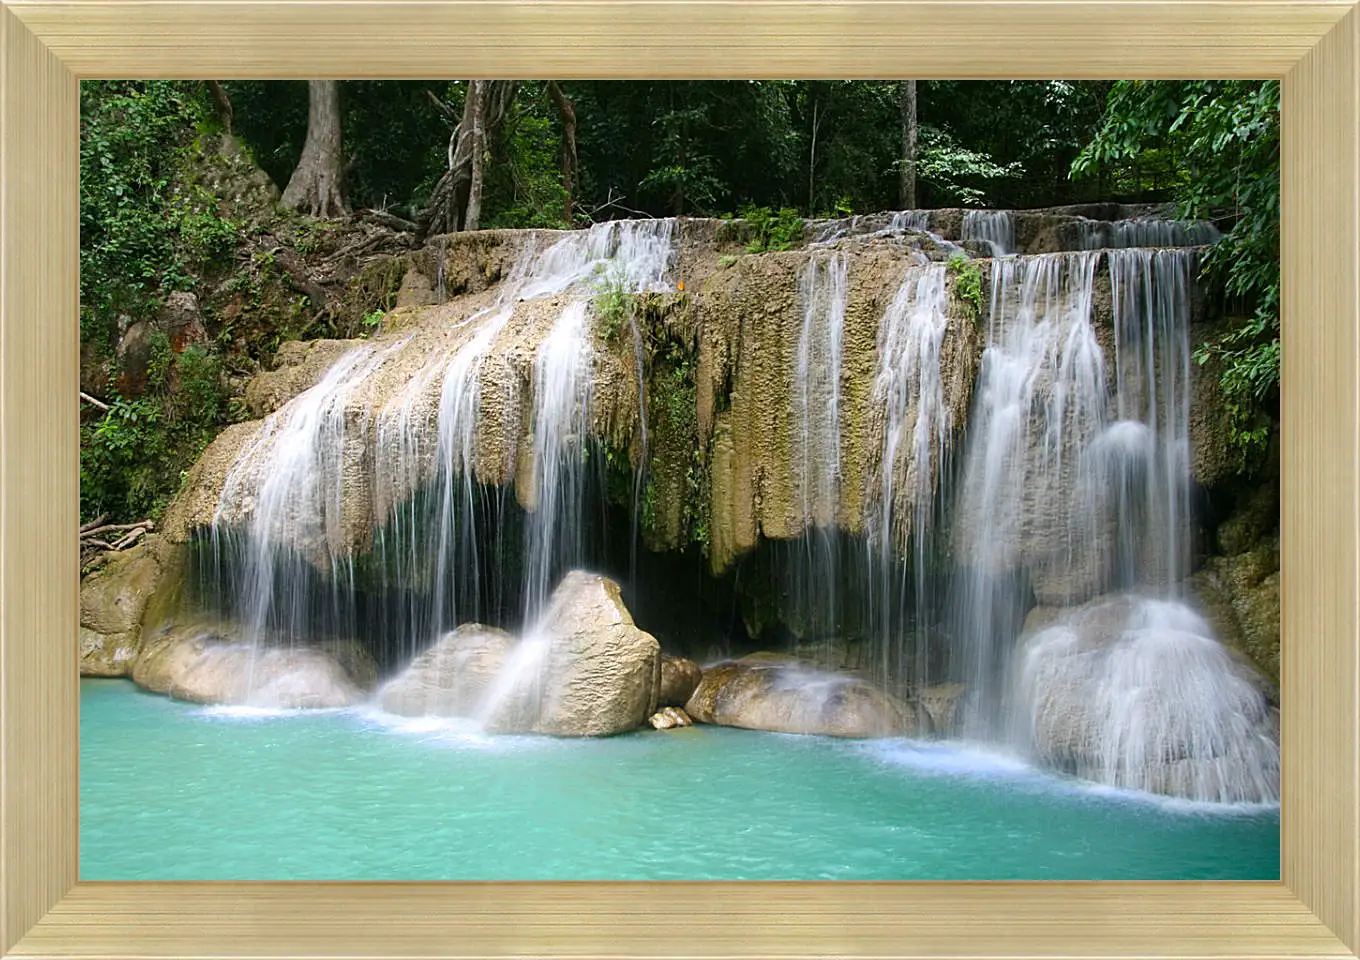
(679, 678)
(1136, 693)
(455, 677)
(585, 670)
(208, 663)
(782, 695)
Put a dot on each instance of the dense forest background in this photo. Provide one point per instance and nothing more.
(214, 214)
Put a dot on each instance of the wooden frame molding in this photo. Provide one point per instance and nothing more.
(46, 46)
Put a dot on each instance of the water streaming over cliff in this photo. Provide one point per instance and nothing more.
(279, 517)
(918, 423)
(817, 451)
(1057, 479)
(996, 228)
(1040, 400)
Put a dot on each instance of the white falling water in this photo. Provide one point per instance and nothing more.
(286, 488)
(1144, 232)
(1137, 694)
(817, 455)
(562, 382)
(918, 421)
(817, 380)
(993, 227)
(1150, 291)
(1040, 398)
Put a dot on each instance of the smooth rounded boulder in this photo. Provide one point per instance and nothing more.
(208, 663)
(584, 670)
(454, 677)
(784, 696)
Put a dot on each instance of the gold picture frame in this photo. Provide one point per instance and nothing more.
(48, 45)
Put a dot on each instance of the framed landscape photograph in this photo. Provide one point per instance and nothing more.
(712, 508)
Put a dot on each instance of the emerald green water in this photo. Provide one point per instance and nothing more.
(172, 791)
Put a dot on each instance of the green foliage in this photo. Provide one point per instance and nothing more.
(134, 458)
(953, 169)
(772, 231)
(373, 319)
(143, 232)
(613, 304)
(967, 277)
(524, 183)
(1219, 141)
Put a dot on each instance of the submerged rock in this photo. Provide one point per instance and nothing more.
(453, 678)
(670, 718)
(679, 678)
(1136, 693)
(207, 663)
(784, 696)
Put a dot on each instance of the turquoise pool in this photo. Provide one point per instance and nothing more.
(173, 791)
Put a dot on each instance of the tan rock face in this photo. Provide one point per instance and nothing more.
(107, 655)
(601, 673)
(206, 663)
(679, 678)
(113, 599)
(788, 697)
(1240, 596)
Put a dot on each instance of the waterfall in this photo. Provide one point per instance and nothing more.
(1040, 398)
(562, 381)
(287, 485)
(286, 513)
(1144, 456)
(996, 228)
(817, 416)
(1144, 232)
(909, 391)
(1136, 693)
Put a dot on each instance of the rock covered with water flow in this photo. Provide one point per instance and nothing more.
(208, 663)
(1135, 693)
(453, 677)
(783, 695)
(584, 670)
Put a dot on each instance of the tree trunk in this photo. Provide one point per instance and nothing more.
(477, 104)
(569, 160)
(910, 131)
(317, 185)
(452, 206)
(222, 103)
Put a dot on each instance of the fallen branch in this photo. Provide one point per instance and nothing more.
(97, 521)
(389, 220)
(93, 402)
(117, 528)
(130, 539)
